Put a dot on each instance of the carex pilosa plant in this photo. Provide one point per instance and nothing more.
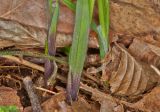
(83, 23)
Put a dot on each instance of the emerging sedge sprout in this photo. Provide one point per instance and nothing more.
(79, 47)
(50, 46)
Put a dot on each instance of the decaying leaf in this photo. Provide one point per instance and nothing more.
(34, 13)
(57, 104)
(8, 97)
(127, 16)
(149, 103)
(24, 22)
(145, 51)
(108, 103)
(132, 77)
(17, 34)
(5, 43)
(135, 16)
(151, 38)
(21, 34)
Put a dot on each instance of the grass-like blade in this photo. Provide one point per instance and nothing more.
(32, 54)
(91, 6)
(70, 4)
(103, 38)
(103, 29)
(8, 109)
(50, 7)
(50, 47)
(78, 49)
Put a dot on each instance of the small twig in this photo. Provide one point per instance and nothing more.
(33, 97)
(32, 54)
(45, 90)
(8, 66)
(24, 62)
(32, 65)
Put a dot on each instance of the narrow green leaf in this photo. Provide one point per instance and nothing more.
(54, 19)
(91, 6)
(103, 29)
(46, 47)
(50, 46)
(78, 49)
(103, 38)
(70, 4)
(103, 43)
(80, 37)
(32, 54)
(66, 50)
(8, 109)
(50, 3)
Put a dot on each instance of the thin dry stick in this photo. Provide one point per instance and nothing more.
(45, 90)
(33, 97)
(24, 62)
(35, 66)
(11, 67)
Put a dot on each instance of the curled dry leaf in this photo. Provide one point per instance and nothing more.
(145, 51)
(132, 77)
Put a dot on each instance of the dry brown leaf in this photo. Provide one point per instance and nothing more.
(149, 103)
(135, 16)
(34, 13)
(155, 49)
(151, 38)
(108, 103)
(23, 35)
(129, 17)
(132, 77)
(57, 103)
(24, 22)
(20, 34)
(8, 97)
(5, 43)
(145, 52)
(29, 12)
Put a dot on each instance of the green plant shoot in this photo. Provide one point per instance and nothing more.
(8, 109)
(103, 28)
(70, 4)
(79, 48)
(50, 46)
